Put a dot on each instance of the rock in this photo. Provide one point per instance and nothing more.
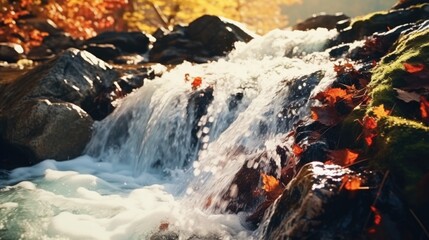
(40, 53)
(321, 20)
(218, 35)
(10, 52)
(125, 42)
(103, 51)
(50, 130)
(315, 205)
(381, 22)
(74, 76)
(407, 3)
(58, 42)
(206, 38)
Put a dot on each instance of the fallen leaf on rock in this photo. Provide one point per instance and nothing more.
(351, 183)
(424, 109)
(380, 112)
(369, 129)
(413, 68)
(333, 95)
(342, 157)
(297, 150)
(326, 115)
(407, 96)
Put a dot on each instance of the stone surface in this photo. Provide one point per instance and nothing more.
(43, 25)
(125, 42)
(321, 20)
(103, 51)
(206, 38)
(74, 76)
(10, 52)
(315, 205)
(381, 22)
(50, 130)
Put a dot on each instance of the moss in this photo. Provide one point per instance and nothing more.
(403, 148)
(390, 72)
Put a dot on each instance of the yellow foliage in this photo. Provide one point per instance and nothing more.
(259, 15)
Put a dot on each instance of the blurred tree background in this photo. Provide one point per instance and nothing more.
(84, 19)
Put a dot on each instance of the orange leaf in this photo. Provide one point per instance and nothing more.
(163, 226)
(424, 108)
(271, 186)
(297, 150)
(380, 112)
(343, 157)
(352, 183)
(270, 183)
(332, 95)
(413, 68)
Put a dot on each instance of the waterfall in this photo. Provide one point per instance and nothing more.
(167, 147)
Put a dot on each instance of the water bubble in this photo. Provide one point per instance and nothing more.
(206, 139)
(211, 119)
(206, 130)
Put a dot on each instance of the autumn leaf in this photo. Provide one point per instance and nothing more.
(380, 112)
(424, 109)
(407, 96)
(351, 183)
(414, 68)
(343, 157)
(196, 83)
(369, 129)
(333, 95)
(297, 150)
(326, 115)
(271, 186)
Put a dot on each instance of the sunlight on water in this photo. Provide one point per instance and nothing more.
(152, 164)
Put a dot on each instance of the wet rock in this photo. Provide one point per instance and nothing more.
(10, 52)
(124, 42)
(218, 35)
(58, 42)
(50, 130)
(407, 3)
(206, 38)
(381, 22)
(40, 53)
(314, 207)
(321, 20)
(103, 51)
(74, 76)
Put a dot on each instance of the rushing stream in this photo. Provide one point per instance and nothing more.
(152, 164)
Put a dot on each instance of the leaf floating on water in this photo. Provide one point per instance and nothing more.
(414, 68)
(352, 183)
(163, 226)
(196, 83)
(333, 95)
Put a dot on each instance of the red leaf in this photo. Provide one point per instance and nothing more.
(369, 130)
(424, 109)
(413, 68)
(377, 215)
(333, 95)
(327, 115)
(197, 82)
(343, 157)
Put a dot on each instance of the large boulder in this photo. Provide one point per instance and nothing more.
(319, 204)
(74, 76)
(57, 130)
(124, 42)
(206, 38)
(10, 52)
(321, 20)
(381, 22)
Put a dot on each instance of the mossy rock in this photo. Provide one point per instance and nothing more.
(390, 72)
(403, 148)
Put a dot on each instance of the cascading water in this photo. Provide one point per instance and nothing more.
(153, 163)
